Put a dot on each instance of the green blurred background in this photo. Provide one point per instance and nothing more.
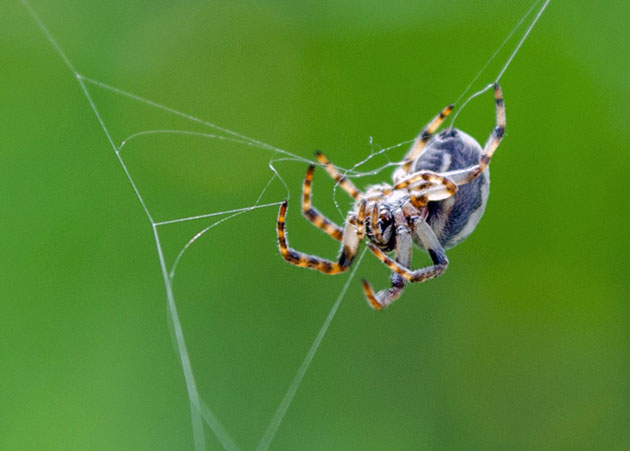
(522, 344)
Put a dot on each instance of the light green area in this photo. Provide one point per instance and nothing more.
(522, 344)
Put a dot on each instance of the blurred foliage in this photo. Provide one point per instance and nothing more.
(522, 344)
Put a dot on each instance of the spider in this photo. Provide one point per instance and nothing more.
(438, 196)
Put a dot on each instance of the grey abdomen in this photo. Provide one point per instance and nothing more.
(455, 218)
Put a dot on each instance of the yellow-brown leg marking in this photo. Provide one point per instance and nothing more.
(376, 230)
(497, 133)
(312, 214)
(361, 220)
(419, 201)
(412, 276)
(425, 136)
(346, 184)
(309, 261)
(369, 294)
(428, 177)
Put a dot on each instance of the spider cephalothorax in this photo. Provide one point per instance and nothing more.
(438, 196)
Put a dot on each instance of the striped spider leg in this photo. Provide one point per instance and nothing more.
(418, 146)
(312, 214)
(463, 176)
(349, 247)
(350, 236)
(425, 186)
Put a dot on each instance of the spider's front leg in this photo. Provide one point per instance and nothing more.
(404, 249)
(430, 243)
(349, 246)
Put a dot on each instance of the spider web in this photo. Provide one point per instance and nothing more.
(201, 412)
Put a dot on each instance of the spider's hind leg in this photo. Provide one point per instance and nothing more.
(467, 175)
(497, 132)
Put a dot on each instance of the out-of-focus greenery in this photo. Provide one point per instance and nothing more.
(522, 344)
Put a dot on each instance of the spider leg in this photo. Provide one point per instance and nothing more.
(426, 193)
(464, 176)
(360, 222)
(422, 187)
(374, 218)
(404, 248)
(312, 214)
(433, 247)
(342, 180)
(421, 141)
(349, 247)
(427, 176)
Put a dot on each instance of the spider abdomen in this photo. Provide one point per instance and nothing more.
(454, 218)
